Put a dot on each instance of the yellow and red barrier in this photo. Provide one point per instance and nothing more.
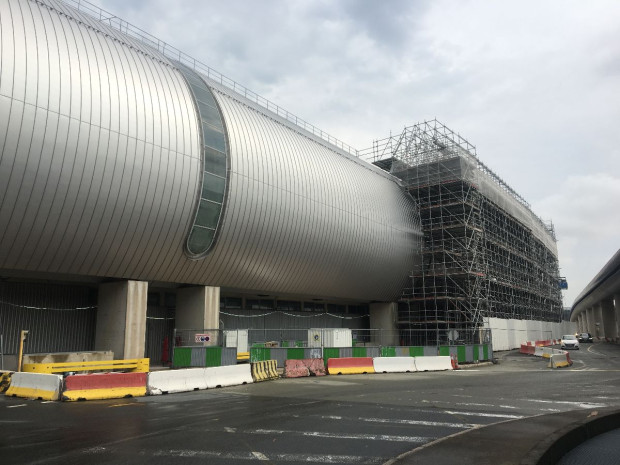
(104, 386)
(350, 365)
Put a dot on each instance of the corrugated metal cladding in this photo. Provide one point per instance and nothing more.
(58, 318)
(101, 169)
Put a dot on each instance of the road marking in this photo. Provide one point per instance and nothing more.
(365, 437)
(595, 352)
(480, 414)
(286, 458)
(420, 423)
(566, 402)
(230, 430)
(15, 406)
(259, 456)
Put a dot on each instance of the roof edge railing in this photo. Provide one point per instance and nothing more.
(169, 51)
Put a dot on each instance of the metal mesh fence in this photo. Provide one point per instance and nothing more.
(326, 337)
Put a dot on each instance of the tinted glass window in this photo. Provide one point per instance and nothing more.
(208, 214)
(213, 137)
(215, 162)
(200, 239)
(213, 188)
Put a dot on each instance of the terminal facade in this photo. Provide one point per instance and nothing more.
(141, 191)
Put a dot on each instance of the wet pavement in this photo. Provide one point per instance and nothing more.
(361, 419)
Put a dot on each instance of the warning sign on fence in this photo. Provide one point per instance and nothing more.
(202, 338)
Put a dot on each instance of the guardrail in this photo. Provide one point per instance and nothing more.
(139, 365)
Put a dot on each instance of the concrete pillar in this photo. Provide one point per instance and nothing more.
(590, 326)
(599, 330)
(384, 317)
(608, 322)
(617, 315)
(198, 308)
(580, 323)
(121, 319)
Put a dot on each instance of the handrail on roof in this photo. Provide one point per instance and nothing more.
(169, 51)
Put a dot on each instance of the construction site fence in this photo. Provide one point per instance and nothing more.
(245, 339)
(471, 353)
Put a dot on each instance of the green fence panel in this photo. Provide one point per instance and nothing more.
(284, 344)
(330, 352)
(461, 354)
(300, 343)
(359, 352)
(485, 351)
(295, 354)
(260, 354)
(213, 357)
(182, 357)
(477, 354)
(388, 351)
(444, 350)
(416, 351)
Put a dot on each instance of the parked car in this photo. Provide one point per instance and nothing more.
(569, 341)
(584, 337)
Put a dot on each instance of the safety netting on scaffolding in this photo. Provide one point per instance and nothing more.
(485, 253)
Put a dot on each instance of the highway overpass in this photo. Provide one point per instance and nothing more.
(597, 309)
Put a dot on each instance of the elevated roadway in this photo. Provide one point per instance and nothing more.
(597, 309)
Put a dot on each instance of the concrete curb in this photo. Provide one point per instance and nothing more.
(538, 440)
(551, 449)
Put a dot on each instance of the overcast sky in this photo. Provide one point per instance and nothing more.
(534, 85)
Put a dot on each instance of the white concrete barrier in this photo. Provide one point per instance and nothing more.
(433, 363)
(559, 360)
(547, 352)
(35, 386)
(232, 375)
(394, 364)
(169, 381)
(538, 351)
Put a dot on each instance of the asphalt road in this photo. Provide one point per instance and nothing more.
(362, 419)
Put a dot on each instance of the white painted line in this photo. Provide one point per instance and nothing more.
(260, 456)
(230, 430)
(566, 402)
(15, 406)
(420, 423)
(286, 458)
(480, 414)
(474, 404)
(365, 437)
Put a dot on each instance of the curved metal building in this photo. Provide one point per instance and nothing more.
(118, 162)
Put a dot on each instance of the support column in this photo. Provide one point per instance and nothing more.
(590, 327)
(384, 317)
(617, 315)
(599, 330)
(198, 308)
(121, 318)
(608, 323)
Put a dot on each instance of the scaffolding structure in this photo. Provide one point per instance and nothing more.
(484, 252)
